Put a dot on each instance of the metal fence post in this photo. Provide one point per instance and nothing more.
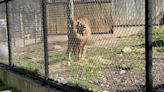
(45, 35)
(9, 35)
(70, 15)
(148, 46)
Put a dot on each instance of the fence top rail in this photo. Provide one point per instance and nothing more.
(81, 2)
(3, 1)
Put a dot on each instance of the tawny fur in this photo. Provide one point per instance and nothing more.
(78, 37)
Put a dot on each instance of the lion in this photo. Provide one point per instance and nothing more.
(78, 38)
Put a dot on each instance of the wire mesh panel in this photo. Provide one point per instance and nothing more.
(3, 35)
(26, 33)
(95, 44)
(158, 46)
(99, 62)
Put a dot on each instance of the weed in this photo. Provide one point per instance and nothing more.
(87, 85)
(90, 42)
(57, 57)
(85, 71)
(139, 67)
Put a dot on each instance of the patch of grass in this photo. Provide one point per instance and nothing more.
(90, 42)
(85, 71)
(139, 67)
(158, 34)
(4, 87)
(159, 49)
(57, 57)
(26, 65)
(5, 61)
(138, 52)
(87, 85)
(106, 53)
(120, 66)
(109, 53)
(31, 66)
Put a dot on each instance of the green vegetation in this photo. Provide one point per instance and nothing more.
(91, 68)
(90, 42)
(120, 66)
(4, 87)
(106, 53)
(158, 38)
(159, 49)
(139, 67)
(87, 85)
(158, 34)
(57, 57)
(85, 70)
(33, 67)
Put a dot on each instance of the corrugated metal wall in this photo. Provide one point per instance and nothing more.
(130, 12)
(99, 14)
(125, 12)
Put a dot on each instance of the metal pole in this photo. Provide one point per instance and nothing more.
(148, 46)
(70, 15)
(9, 36)
(45, 34)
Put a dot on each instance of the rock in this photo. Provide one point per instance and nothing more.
(57, 47)
(21, 46)
(96, 82)
(61, 78)
(69, 63)
(121, 55)
(105, 91)
(122, 72)
(126, 50)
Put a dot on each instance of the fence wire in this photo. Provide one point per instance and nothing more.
(158, 47)
(102, 49)
(3, 35)
(114, 62)
(26, 35)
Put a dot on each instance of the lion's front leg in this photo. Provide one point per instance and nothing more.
(83, 52)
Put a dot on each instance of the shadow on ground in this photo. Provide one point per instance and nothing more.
(141, 88)
(158, 43)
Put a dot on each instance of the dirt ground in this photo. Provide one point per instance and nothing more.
(116, 78)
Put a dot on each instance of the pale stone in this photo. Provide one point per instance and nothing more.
(127, 49)
(3, 52)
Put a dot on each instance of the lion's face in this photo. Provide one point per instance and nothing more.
(80, 28)
(82, 25)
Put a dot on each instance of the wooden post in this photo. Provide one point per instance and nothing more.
(22, 28)
(21, 25)
(36, 26)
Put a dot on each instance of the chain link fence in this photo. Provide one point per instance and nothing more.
(158, 45)
(26, 35)
(96, 44)
(3, 35)
(114, 61)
